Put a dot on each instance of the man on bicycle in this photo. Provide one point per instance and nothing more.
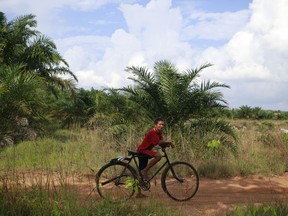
(152, 138)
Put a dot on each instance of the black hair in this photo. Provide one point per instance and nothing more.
(157, 120)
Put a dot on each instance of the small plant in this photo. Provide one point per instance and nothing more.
(213, 145)
(285, 137)
(267, 139)
(264, 210)
(132, 184)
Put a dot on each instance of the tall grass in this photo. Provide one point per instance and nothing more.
(261, 149)
(37, 200)
(274, 209)
(45, 177)
(67, 151)
(35, 175)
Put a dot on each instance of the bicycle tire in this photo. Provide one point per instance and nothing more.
(116, 181)
(184, 184)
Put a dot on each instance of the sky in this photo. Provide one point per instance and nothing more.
(245, 40)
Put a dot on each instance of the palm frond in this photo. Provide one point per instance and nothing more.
(142, 76)
(207, 85)
(208, 129)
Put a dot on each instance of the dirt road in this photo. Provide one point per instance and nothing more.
(218, 196)
(215, 197)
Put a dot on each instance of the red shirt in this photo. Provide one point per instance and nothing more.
(151, 139)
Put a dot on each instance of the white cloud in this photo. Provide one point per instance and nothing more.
(216, 26)
(265, 33)
(38, 7)
(254, 59)
(152, 36)
(157, 27)
(52, 16)
(90, 79)
(81, 51)
(250, 55)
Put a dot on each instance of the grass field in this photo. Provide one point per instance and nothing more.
(262, 149)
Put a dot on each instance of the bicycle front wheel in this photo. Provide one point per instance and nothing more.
(116, 181)
(180, 181)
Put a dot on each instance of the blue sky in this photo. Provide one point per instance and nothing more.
(245, 40)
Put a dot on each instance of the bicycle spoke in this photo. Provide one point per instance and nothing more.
(113, 184)
(181, 189)
(181, 182)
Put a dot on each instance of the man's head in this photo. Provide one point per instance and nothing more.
(159, 124)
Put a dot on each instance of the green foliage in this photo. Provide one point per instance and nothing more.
(61, 200)
(173, 95)
(285, 137)
(179, 98)
(213, 145)
(30, 67)
(132, 184)
(216, 168)
(275, 209)
(213, 136)
(247, 112)
(21, 94)
(23, 44)
(265, 126)
(78, 150)
(267, 139)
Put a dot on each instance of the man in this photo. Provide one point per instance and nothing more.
(153, 137)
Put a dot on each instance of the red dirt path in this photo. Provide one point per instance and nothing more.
(215, 197)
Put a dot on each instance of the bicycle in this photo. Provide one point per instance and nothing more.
(118, 180)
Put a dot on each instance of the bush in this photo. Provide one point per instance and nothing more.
(216, 169)
(277, 209)
(38, 200)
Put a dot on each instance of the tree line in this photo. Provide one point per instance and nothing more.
(32, 88)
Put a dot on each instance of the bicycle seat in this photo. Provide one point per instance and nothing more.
(136, 154)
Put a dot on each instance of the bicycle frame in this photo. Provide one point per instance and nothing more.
(134, 156)
(172, 177)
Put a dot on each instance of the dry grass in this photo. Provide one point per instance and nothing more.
(68, 157)
(262, 149)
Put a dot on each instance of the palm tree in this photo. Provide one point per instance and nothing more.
(173, 95)
(15, 36)
(21, 94)
(23, 44)
(187, 104)
(30, 66)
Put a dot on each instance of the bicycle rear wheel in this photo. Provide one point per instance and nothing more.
(116, 181)
(180, 181)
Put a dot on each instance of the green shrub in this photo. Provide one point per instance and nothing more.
(285, 138)
(37, 200)
(215, 169)
(267, 139)
(278, 209)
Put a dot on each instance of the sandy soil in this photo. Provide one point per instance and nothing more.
(214, 197)
(218, 196)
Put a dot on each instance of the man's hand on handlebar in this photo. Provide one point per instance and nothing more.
(165, 144)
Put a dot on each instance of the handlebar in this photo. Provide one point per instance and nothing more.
(165, 144)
